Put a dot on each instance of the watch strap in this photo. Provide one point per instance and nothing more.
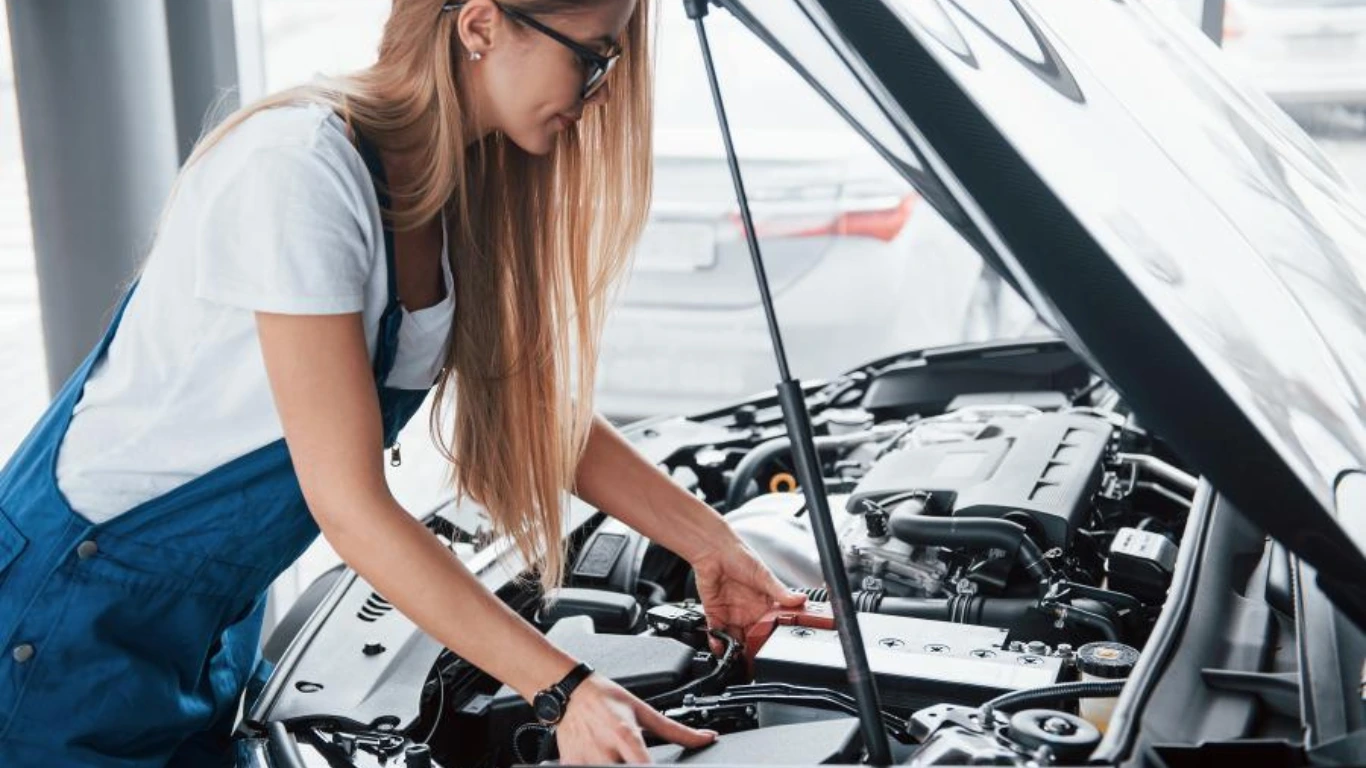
(570, 681)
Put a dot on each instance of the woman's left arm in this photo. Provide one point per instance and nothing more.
(736, 588)
(613, 477)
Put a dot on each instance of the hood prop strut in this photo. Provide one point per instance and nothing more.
(793, 403)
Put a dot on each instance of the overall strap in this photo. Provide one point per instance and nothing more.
(387, 348)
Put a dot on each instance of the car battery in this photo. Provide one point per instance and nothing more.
(916, 662)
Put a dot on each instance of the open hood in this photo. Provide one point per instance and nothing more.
(1177, 229)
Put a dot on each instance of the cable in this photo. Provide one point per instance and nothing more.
(1051, 692)
(663, 700)
(784, 693)
(330, 751)
(440, 707)
(541, 748)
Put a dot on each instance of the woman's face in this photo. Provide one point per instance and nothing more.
(528, 84)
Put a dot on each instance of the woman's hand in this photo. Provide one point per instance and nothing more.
(737, 589)
(603, 724)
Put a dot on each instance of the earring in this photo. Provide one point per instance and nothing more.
(476, 55)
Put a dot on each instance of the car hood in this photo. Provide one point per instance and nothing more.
(1176, 228)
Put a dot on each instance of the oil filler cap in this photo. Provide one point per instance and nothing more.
(1107, 660)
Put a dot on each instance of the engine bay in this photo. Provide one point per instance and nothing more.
(999, 542)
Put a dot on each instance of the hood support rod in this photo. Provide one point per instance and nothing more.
(792, 400)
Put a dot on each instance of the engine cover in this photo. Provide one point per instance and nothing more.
(916, 662)
(1046, 467)
(642, 664)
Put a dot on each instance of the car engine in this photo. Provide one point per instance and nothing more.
(1000, 544)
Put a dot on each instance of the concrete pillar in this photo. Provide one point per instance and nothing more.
(203, 49)
(93, 81)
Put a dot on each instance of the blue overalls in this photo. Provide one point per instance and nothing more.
(128, 643)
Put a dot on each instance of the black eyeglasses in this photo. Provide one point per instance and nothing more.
(595, 65)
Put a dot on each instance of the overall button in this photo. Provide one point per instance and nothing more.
(22, 653)
(87, 549)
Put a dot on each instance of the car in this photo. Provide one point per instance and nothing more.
(1137, 543)
(850, 244)
(1303, 53)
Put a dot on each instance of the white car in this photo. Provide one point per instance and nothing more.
(1303, 53)
(849, 245)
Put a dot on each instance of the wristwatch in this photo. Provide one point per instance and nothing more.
(550, 703)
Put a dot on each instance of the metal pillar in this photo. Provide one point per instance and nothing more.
(1212, 20)
(93, 82)
(203, 48)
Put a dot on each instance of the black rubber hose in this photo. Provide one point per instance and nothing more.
(1065, 691)
(1091, 614)
(1021, 615)
(748, 468)
(652, 592)
(909, 524)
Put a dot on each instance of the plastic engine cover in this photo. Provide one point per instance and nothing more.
(641, 664)
(916, 662)
(1046, 467)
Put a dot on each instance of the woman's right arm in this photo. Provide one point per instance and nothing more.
(324, 392)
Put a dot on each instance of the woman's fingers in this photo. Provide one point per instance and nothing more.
(671, 730)
(780, 594)
(631, 747)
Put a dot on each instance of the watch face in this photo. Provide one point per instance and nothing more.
(548, 709)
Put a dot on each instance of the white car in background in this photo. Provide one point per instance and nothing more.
(1303, 53)
(849, 248)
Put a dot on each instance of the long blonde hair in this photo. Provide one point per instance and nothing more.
(536, 243)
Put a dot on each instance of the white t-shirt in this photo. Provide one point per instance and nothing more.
(281, 217)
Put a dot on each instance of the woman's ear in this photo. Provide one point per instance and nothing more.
(476, 24)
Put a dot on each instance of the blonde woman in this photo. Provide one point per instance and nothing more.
(450, 218)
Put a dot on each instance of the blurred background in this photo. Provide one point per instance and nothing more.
(859, 267)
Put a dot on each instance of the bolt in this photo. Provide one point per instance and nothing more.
(1058, 726)
(1031, 661)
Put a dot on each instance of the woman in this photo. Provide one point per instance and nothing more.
(452, 216)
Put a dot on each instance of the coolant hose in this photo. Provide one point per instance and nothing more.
(1065, 691)
(910, 524)
(748, 468)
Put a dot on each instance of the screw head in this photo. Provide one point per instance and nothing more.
(1058, 726)
(936, 648)
(891, 642)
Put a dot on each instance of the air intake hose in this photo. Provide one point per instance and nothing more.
(1023, 616)
(909, 524)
